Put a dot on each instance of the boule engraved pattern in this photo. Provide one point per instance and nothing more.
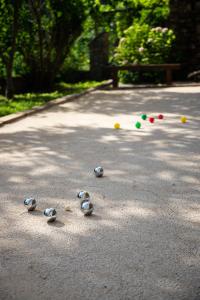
(83, 195)
(30, 203)
(98, 171)
(50, 214)
(87, 207)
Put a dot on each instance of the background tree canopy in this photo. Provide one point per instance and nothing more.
(40, 40)
(49, 29)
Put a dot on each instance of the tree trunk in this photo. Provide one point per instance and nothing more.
(9, 63)
(9, 83)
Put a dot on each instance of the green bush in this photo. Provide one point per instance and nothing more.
(142, 44)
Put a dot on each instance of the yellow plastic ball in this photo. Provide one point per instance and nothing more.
(117, 126)
(183, 119)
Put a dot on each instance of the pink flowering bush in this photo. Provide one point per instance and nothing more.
(142, 44)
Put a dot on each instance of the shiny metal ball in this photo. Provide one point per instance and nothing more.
(87, 207)
(30, 203)
(98, 171)
(50, 213)
(83, 195)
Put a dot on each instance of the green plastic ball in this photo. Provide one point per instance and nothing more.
(143, 117)
(138, 125)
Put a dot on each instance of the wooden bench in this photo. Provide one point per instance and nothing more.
(168, 68)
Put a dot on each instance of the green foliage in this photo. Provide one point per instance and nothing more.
(102, 16)
(116, 17)
(20, 68)
(49, 30)
(53, 36)
(79, 57)
(143, 44)
(27, 101)
(154, 12)
(6, 14)
(9, 17)
(2, 68)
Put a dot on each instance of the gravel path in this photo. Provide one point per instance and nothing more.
(143, 242)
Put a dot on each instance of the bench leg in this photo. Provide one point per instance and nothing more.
(169, 76)
(115, 79)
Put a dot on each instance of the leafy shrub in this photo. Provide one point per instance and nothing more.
(142, 44)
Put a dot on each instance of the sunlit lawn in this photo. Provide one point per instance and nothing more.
(26, 101)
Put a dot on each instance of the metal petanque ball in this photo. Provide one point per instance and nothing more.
(83, 195)
(30, 203)
(98, 171)
(87, 207)
(138, 125)
(50, 213)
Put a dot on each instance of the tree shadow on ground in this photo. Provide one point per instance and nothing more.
(143, 242)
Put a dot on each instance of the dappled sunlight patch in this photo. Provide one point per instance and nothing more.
(167, 175)
(190, 179)
(146, 214)
(43, 169)
(113, 173)
(130, 210)
(191, 261)
(190, 215)
(185, 201)
(169, 285)
(11, 244)
(184, 90)
(59, 129)
(16, 179)
(193, 217)
(126, 149)
(109, 138)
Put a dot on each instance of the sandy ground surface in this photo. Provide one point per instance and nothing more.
(143, 242)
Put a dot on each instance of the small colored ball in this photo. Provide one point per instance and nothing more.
(138, 125)
(183, 119)
(151, 120)
(144, 117)
(160, 117)
(117, 126)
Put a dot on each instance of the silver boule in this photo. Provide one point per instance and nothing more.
(50, 213)
(98, 171)
(87, 207)
(83, 195)
(30, 203)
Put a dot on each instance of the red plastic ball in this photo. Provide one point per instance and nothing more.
(151, 120)
(160, 117)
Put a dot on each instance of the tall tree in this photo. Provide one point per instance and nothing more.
(49, 29)
(186, 25)
(9, 17)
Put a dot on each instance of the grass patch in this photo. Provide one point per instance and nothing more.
(27, 101)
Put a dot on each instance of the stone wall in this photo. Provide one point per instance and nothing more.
(185, 20)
